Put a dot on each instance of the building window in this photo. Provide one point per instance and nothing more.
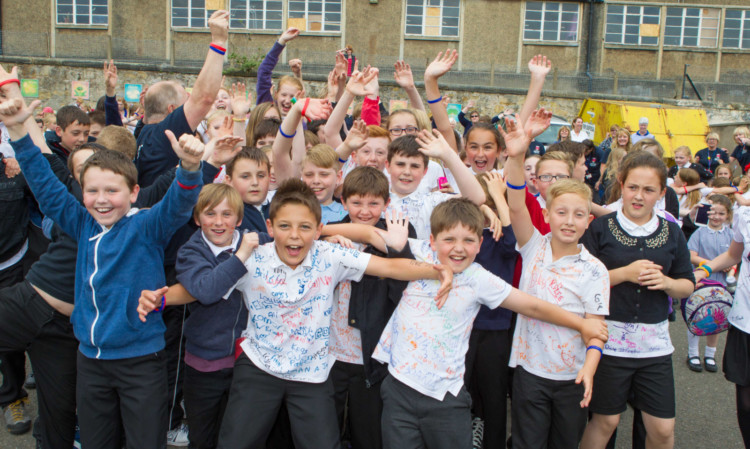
(692, 27)
(189, 13)
(737, 29)
(82, 12)
(633, 25)
(551, 22)
(315, 15)
(432, 17)
(255, 14)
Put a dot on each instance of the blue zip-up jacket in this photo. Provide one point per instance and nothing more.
(254, 220)
(113, 265)
(214, 322)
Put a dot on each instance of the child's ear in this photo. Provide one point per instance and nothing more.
(197, 222)
(302, 94)
(134, 193)
(591, 218)
(432, 243)
(545, 212)
(273, 91)
(58, 131)
(269, 227)
(319, 231)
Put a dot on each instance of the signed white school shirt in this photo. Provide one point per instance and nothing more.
(425, 347)
(290, 309)
(578, 284)
(740, 313)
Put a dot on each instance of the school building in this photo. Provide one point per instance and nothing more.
(605, 46)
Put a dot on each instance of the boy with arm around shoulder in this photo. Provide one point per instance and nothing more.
(119, 253)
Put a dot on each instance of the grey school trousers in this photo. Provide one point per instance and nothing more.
(412, 420)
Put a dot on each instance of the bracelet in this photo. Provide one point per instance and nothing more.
(685, 187)
(706, 269)
(11, 80)
(281, 131)
(304, 108)
(596, 348)
(440, 98)
(163, 303)
(294, 100)
(511, 186)
(343, 161)
(238, 119)
(218, 49)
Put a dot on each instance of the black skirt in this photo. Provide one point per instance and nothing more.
(737, 357)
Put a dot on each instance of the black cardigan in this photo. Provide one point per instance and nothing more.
(667, 247)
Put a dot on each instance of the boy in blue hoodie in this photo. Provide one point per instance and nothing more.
(121, 382)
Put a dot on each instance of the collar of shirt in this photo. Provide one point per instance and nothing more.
(583, 254)
(687, 165)
(639, 133)
(636, 230)
(220, 249)
(716, 231)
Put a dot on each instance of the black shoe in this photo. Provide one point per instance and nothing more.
(694, 363)
(672, 316)
(710, 364)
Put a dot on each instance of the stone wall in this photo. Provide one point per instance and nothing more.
(54, 90)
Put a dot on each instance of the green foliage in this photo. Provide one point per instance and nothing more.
(243, 65)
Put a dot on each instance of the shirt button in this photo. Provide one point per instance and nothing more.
(638, 291)
(635, 318)
(638, 305)
(352, 321)
(641, 249)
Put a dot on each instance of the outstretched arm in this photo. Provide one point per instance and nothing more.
(209, 79)
(539, 66)
(437, 68)
(403, 76)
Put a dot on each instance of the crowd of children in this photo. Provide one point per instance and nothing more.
(304, 278)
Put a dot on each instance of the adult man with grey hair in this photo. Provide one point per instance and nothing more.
(169, 107)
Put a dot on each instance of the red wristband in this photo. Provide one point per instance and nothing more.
(11, 80)
(218, 47)
(685, 187)
(304, 108)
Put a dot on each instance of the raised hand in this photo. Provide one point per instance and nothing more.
(402, 74)
(295, 65)
(341, 65)
(218, 23)
(250, 241)
(149, 301)
(441, 64)
(540, 66)
(333, 84)
(290, 34)
(496, 226)
(357, 137)
(359, 83)
(495, 184)
(516, 140)
(240, 100)
(398, 230)
(13, 114)
(10, 90)
(110, 78)
(221, 150)
(537, 122)
(189, 149)
(433, 144)
(316, 109)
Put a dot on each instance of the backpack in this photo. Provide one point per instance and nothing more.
(706, 311)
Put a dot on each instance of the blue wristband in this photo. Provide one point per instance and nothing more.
(596, 348)
(287, 135)
(343, 161)
(440, 98)
(511, 186)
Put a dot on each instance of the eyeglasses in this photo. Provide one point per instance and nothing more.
(474, 116)
(395, 132)
(548, 178)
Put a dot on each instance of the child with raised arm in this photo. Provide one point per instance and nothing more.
(264, 87)
(551, 362)
(407, 164)
(120, 252)
(425, 401)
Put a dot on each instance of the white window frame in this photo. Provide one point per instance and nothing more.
(630, 11)
(309, 16)
(547, 10)
(263, 19)
(190, 16)
(743, 29)
(424, 17)
(702, 27)
(75, 5)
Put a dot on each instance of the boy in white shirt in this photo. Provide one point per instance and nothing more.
(424, 397)
(283, 355)
(408, 157)
(552, 361)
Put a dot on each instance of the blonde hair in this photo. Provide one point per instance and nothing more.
(556, 156)
(685, 150)
(613, 162)
(624, 132)
(650, 146)
(213, 194)
(573, 186)
(712, 135)
(118, 138)
(690, 177)
(744, 130)
(293, 80)
(409, 111)
(322, 156)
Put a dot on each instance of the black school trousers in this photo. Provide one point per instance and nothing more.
(29, 323)
(123, 397)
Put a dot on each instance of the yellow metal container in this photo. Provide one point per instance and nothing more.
(673, 126)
